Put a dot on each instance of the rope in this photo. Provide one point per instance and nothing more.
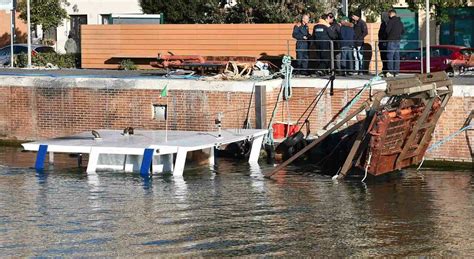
(443, 141)
(273, 103)
(247, 122)
(285, 91)
(269, 138)
(354, 100)
(320, 95)
(367, 166)
(287, 71)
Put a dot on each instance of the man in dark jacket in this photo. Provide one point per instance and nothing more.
(323, 36)
(383, 42)
(301, 34)
(394, 31)
(335, 26)
(347, 46)
(360, 30)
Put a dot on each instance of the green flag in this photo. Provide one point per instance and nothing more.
(164, 92)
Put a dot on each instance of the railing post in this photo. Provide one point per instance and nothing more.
(288, 47)
(376, 58)
(332, 57)
(421, 56)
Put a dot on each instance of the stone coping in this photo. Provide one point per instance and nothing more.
(146, 83)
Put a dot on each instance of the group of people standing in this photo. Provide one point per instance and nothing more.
(344, 39)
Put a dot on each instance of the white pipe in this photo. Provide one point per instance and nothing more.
(29, 31)
(12, 37)
(428, 52)
(346, 8)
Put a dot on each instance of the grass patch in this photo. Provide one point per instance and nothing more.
(11, 143)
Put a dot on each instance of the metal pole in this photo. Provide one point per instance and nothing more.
(345, 4)
(29, 31)
(376, 58)
(12, 36)
(332, 56)
(421, 56)
(428, 52)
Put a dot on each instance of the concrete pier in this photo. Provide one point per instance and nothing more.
(40, 106)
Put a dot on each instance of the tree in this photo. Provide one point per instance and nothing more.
(185, 11)
(245, 11)
(47, 13)
(372, 9)
(439, 7)
(277, 11)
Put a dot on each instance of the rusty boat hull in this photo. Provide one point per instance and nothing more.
(394, 134)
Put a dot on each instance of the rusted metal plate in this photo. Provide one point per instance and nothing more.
(181, 61)
(389, 137)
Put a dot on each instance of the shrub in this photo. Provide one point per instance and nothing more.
(42, 59)
(127, 64)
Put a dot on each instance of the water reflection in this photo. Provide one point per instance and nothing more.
(230, 210)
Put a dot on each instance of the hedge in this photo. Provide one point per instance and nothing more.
(42, 59)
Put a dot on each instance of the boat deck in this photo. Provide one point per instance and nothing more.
(145, 150)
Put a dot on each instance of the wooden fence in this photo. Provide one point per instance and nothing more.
(103, 46)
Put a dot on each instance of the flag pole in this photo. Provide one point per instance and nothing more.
(166, 120)
(164, 94)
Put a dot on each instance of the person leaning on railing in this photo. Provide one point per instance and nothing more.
(360, 29)
(394, 31)
(323, 36)
(301, 34)
(335, 26)
(383, 43)
(347, 46)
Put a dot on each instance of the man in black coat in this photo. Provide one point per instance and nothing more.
(301, 34)
(323, 35)
(383, 42)
(360, 30)
(394, 32)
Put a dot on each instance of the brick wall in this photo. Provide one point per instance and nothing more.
(53, 110)
(35, 113)
(5, 31)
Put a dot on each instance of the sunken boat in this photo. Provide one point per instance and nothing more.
(393, 133)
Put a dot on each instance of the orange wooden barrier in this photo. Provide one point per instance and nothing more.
(103, 46)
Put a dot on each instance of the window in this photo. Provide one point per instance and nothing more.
(50, 34)
(5, 51)
(441, 52)
(20, 49)
(105, 18)
(44, 50)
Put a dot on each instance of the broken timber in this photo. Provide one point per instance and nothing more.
(397, 128)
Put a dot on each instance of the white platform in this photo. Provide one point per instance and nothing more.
(115, 151)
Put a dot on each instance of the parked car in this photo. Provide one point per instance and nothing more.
(441, 58)
(464, 63)
(21, 48)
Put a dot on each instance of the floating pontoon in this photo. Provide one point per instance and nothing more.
(144, 151)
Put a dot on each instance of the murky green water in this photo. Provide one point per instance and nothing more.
(229, 211)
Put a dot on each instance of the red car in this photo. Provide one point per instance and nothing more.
(441, 58)
(466, 63)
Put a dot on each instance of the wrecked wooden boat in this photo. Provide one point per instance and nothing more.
(394, 133)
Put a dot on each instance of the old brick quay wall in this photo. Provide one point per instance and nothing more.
(33, 108)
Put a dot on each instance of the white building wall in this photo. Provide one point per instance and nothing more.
(93, 9)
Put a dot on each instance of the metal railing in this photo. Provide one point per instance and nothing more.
(322, 57)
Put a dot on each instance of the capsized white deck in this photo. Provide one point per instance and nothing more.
(117, 151)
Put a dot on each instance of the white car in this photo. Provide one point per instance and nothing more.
(19, 49)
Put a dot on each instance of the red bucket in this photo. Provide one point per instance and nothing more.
(282, 129)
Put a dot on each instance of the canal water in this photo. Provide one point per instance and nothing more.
(230, 211)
